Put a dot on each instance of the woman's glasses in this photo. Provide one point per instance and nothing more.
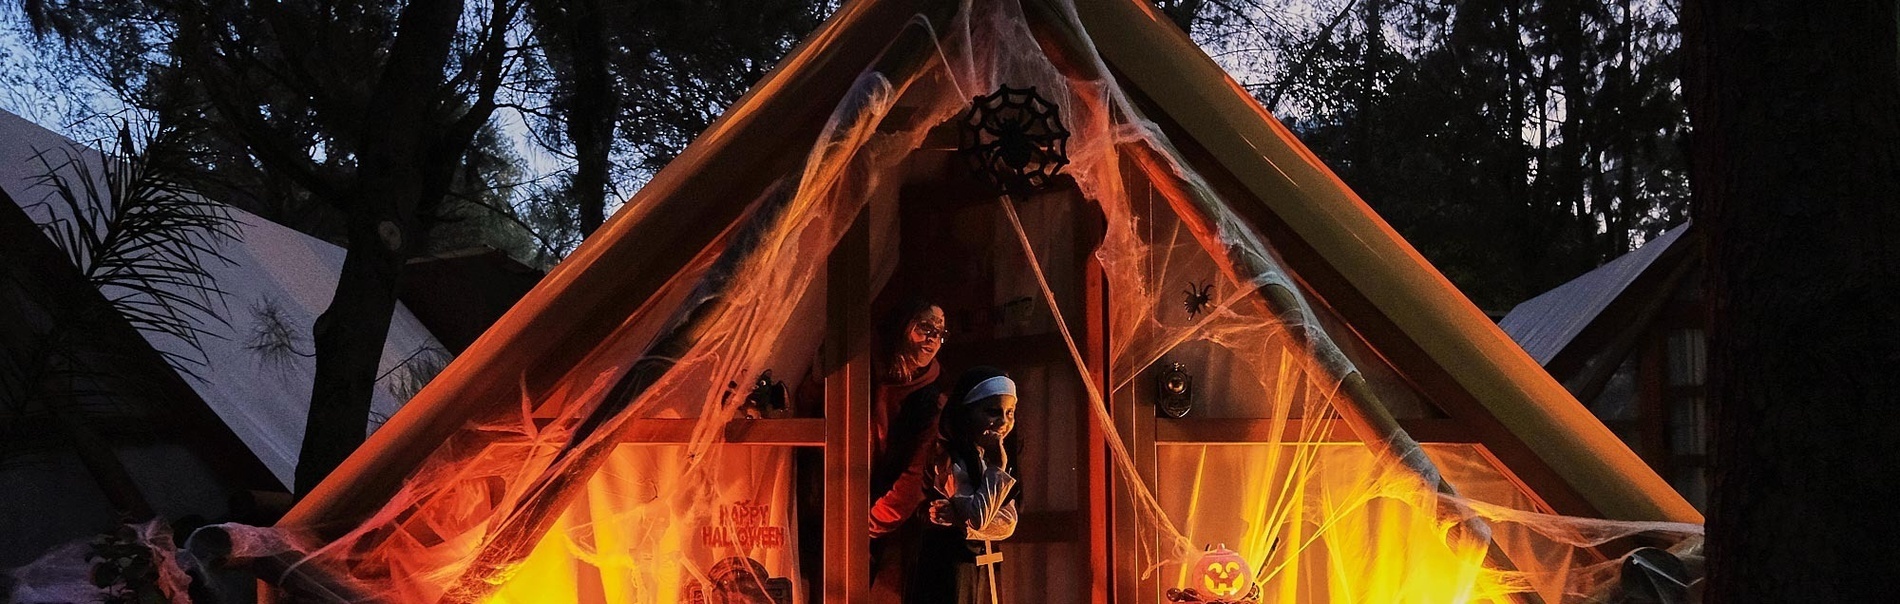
(931, 332)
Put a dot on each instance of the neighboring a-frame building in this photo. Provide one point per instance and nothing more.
(1628, 338)
(1338, 415)
(215, 446)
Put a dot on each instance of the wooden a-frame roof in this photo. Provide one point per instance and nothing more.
(1351, 258)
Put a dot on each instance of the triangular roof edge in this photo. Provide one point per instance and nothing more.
(672, 217)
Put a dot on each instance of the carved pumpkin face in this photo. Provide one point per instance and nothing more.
(1224, 573)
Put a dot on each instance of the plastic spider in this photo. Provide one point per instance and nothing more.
(1197, 298)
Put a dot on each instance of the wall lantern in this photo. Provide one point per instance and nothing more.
(1174, 392)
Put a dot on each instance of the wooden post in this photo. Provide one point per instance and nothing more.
(847, 418)
(1094, 443)
(1135, 424)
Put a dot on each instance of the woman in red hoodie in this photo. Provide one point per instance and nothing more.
(905, 405)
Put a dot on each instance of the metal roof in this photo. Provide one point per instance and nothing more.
(1544, 325)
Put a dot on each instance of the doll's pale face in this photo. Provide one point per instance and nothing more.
(996, 413)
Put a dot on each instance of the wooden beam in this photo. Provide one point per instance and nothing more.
(1137, 430)
(1097, 473)
(1235, 431)
(1134, 422)
(847, 420)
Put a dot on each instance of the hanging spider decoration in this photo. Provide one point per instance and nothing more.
(1015, 139)
(1198, 295)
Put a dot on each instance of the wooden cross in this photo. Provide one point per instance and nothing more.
(988, 561)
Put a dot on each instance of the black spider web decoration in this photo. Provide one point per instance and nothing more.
(1015, 139)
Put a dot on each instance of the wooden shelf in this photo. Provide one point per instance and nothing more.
(810, 432)
(1214, 431)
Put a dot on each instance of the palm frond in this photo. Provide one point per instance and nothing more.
(139, 235)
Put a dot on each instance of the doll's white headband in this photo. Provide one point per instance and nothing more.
(991, 387)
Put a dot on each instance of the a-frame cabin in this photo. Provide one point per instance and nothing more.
(587, 447)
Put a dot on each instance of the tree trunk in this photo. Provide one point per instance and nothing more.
(1521, 186)
(1565, 177)
(1796, 175)
(349, 340)
(1368, 115)
(1626, 102)
(400, 171)
(592, 112)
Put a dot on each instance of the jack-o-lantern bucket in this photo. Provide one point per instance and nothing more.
(1222, 573)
